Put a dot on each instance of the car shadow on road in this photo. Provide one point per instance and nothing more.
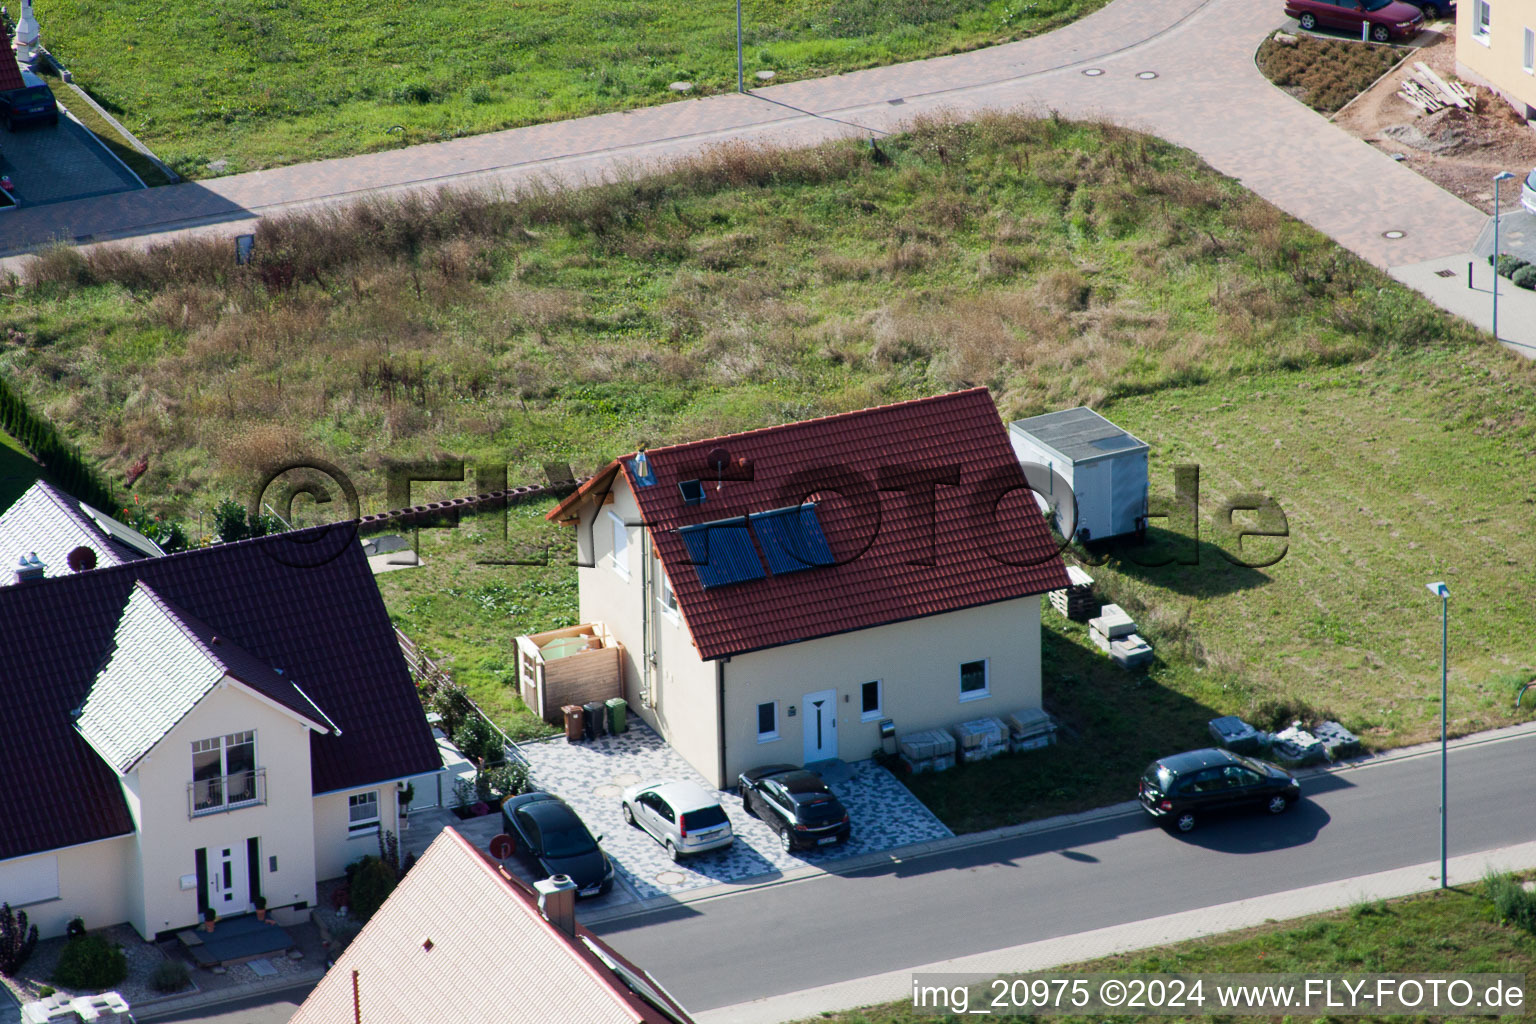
(1258, 832)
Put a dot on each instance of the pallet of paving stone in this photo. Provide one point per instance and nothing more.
(933, 764)
(1337, 741)
(1112, 622)
(1295, 747)
(980, 739)
(1235, 735)
(1099, 640)
(1030, 729)
(927, 745)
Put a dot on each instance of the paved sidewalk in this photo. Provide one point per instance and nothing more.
(1192, 924)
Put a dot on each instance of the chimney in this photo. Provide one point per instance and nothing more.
(557, 902)
(29, 569)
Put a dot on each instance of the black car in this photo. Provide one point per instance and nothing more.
(796, 804)
(548, 832)
(1180, 791)
(32, 104)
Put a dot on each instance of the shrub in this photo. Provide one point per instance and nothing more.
(170, 976)
(17, 939)
(507, 779)
(463, 793)
(75, 928)
(372, 885)
(1511, 901)
(1508, 264)
(451, 701)
(1525, 277)
(479, 741)
(91, 963)
(45, 991)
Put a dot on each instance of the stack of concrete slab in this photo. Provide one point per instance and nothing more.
(1235, 734)
(1076, 602)
(932, 750)
(980, 740)
(1030, 729)
(1337, 740)
(1296, 747)
(1114, 632)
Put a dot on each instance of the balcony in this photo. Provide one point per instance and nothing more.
(222, 793)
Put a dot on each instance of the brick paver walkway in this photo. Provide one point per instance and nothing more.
(1201, 90)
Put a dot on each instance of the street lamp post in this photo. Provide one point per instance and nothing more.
(741, 86)
(1443, 592)
(1501, 176)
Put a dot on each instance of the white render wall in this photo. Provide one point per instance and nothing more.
(168, 838)
(333, 844)
(95, 881)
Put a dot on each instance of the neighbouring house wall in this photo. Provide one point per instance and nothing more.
(169, 836)
(335, 845)
(918, 663)
(1496, 59)
(93, 881)
(604, 595)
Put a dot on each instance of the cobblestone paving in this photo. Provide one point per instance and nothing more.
(589, 776)
(53, 164)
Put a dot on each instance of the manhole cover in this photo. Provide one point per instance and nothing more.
(671, 878)
(1093, 72)
(626, 779)
(1394, 234)
(1146, 74)
(607, 791)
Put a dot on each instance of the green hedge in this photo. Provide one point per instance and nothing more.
(66, 466)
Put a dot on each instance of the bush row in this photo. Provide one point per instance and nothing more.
(65, 464)
(1521, 272)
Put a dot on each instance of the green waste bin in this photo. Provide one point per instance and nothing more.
(617, 708)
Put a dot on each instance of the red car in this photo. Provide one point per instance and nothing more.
(1388, 18)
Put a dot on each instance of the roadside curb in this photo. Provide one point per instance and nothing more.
(198, 1000)
(969, 840)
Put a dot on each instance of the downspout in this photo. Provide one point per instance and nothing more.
(720, 718)
(647, 640)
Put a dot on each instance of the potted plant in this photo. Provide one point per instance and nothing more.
(260, 903)
(209, 917)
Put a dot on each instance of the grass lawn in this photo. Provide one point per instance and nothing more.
(1057, 263)
(145, 168)
(266, 82)
(1458, 931)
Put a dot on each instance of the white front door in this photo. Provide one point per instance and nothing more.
(820, 725)
(228, 880)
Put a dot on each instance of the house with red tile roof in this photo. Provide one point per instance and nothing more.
(10, 71)
(189, 732)
(780, 593)
(494, 951)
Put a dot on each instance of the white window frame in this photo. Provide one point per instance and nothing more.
(363, 826)
(221, 744)
(1528, 56)
(879, 712)
(666, 596)
(1482, 21)
(619, 557)
(986, 680)
(767, 737)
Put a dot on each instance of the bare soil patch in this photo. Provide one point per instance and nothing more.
(1458, 150)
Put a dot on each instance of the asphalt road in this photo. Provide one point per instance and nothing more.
(831, 928)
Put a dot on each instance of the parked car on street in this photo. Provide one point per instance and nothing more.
(1528, 192)
(33, 103)
(796, 804)
(550, 834)
(1181, 791)
(1389, 19)
(682, 816)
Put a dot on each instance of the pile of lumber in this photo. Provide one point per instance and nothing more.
(1429, 92)
(1076, 602)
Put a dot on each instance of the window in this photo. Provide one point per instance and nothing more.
(973, 680)
(668, 597)
(1528, 61)
(1482, 17)
(768, 721)
(363, 813)
(224, 772)
(620, 545)
(869, 695)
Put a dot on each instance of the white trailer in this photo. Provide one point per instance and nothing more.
(1103, 468)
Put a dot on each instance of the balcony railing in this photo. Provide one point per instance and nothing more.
(226, 792)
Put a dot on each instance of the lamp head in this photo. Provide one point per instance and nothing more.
(1503, 176)
(1440, 590)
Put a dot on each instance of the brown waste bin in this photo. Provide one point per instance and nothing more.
(573, 716)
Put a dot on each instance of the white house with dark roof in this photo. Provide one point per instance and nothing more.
(781, 593)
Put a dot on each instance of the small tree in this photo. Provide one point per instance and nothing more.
(451, 702)
(389, 850)
(17, 939)
(479, 741)
(463, 793)
(374, 882)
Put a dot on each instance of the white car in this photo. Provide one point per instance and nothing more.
(1528, 193)
(682, 816)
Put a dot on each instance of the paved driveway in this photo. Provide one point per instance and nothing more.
(590, 775)
(57, 164)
